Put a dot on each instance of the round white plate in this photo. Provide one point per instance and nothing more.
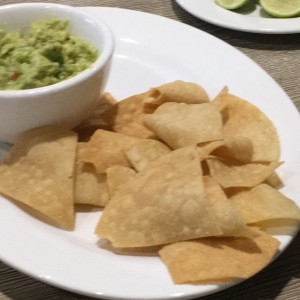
(251, 20)
(150, 50)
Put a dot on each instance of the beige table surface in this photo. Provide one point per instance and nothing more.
(279, 55)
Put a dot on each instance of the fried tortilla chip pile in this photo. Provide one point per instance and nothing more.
(195, 179)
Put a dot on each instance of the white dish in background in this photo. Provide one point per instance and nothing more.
(251, 21)
(147, 55)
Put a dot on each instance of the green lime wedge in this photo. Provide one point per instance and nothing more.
(231, 4)
(281, 8)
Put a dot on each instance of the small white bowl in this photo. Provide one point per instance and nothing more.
(68, 102)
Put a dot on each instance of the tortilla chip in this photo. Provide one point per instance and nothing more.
(226, 216)
(39, 173)
(118, 175)
(107, 100)
(166, 202)
(235, 148)
(176, 91)
(218, 99)
(214, 260)
(127, 117)
(140, 251)
(90, 187)
(95, 120)
(264, 203)
(244, 119)
(274, 181)
(105, 149)
(144, 151)
(193, 124)
(229, 175)
(205, 149)
(238, 148)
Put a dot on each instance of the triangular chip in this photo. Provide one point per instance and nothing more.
(118, 175)
(143, 151)
(106, 149)
(164, 203)
(244, 119)
(237, 148)
(226, 216)
(95, 120)
(228, 174)
(127, 116)
(205, 149)
(176, 91)
(264, 203)
(39, 173)
(218, 99)
(215, 260)
(180, 124)
(274, 180)
(90, 187)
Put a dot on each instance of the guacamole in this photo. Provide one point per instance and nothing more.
(47, 54)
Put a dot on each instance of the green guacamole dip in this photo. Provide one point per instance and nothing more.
(47, 54)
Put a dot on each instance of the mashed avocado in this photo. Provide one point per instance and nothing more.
(47, 54)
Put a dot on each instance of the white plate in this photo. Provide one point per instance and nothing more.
(251, 20)
(150, 50)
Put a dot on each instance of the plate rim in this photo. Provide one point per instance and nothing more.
(239, 27)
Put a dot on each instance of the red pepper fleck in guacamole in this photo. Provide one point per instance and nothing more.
(47, 54)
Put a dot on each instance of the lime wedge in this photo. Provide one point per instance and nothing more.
(231, 4)
(281, 8)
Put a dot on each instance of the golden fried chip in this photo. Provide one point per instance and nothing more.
(95, 120)
(226, 216)
(164, 203)
(176, 91)
(90, 187)
(244, 119)
(274, 181)
(140, 251)
(180, 124)
(238, 148)
(107, 100)
(105, 149)
(234, 148)
(214, 260)
(205, 149)
(228, 174)
(118, 175)
(39, 173)
(144, 151)
(223, 93)
(127, 117)
(264, 203)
